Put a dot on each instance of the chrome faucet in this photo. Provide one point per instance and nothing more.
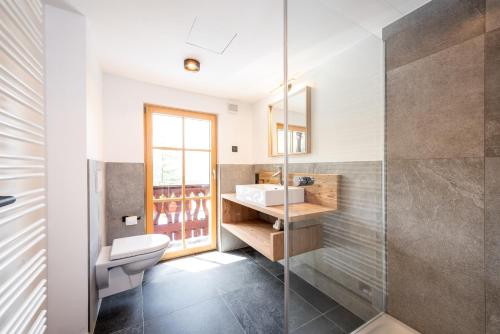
(280, 173)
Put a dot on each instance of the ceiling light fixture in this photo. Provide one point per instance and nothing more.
(191, 65)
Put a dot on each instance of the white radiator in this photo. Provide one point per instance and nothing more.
(23, 226)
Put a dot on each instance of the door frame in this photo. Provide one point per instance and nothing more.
(149, 109)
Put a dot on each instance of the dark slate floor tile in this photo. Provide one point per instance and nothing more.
(344, 319)
(159, 271)
(223, 298)
(319, 325)
(274, 268)
(300, 311)
(137, 329)
(235, 276)
(120, 311)
(208, 317)
(259, 307)
(175, 292)
(311, 294)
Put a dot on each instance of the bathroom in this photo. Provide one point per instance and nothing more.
(266, 166)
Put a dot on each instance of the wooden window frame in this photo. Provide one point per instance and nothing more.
(149, 110)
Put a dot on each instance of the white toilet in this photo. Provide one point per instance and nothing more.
(121, 266)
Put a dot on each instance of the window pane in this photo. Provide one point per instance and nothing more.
(167, 131)
(197, 173)
(197, 132)
(167, 168)
(167, 189)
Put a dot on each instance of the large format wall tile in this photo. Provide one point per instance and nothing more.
(492, 245)
(492, 90)
(436, 26)
(124, 197)
(435, 219)
(229, 176)
(435, 106)
(492, 14)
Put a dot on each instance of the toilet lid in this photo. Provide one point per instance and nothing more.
(138, 245)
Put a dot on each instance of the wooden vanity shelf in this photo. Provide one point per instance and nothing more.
(243, 220)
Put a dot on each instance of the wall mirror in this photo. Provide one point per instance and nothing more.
(299, 124)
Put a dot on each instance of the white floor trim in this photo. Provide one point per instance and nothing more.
(385, 324)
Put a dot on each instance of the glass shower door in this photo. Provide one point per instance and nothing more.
(336, 282)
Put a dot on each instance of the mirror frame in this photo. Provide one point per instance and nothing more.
(270, 136)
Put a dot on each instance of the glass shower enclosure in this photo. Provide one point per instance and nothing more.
(391, 123)
(334, 68)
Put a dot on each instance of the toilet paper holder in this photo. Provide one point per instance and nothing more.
(124, 218)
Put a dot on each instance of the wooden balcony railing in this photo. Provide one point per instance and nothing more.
(167, 203)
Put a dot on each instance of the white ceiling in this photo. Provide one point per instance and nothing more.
(238, 42)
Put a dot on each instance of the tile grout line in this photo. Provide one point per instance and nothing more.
(303, 298)
(267, 270)
(234, 315)
(307, 323)
(319, 316)
(485, 112)
(389, 69)
(219, 294)
(181, 309)
(320, 313)
(276, 277)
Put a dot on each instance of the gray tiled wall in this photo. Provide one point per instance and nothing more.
(435, 244)
(492, 171)
(492, 14)
(96, 230)
(434, 27)
(124, 197)
(229, 175)
(443, 235)
(492, 86)
(492, 245)
(435, 105)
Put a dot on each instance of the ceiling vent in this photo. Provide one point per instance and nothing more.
(210, 35)
(232, 108)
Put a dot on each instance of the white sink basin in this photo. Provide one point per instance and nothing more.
(268, 194)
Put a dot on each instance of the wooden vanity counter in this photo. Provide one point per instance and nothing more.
(296, 212)
(244, 220)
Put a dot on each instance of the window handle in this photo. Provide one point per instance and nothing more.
(6, 200)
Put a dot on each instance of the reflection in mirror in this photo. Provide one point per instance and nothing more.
(299, 124)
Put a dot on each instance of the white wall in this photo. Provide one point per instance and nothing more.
(94, 103)
(124, 119)
(67, 171)
(347, 108)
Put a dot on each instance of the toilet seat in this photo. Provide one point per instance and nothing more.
(137, 245)
(121, 266)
